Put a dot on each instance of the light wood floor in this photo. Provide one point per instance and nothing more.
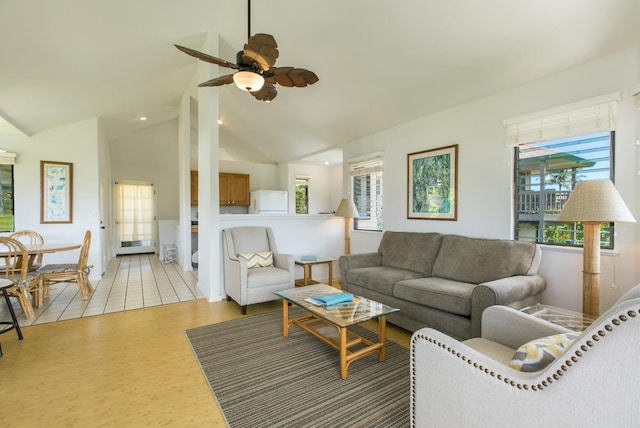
(127, 369)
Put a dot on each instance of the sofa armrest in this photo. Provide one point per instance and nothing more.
(512, 328)
(503, 291)
(286, 262)
(355, 261)
(283, 261)
(514, 288)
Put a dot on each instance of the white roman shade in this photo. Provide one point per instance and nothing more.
(584, 117)
(7, 158)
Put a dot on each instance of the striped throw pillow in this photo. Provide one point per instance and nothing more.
(258, 260)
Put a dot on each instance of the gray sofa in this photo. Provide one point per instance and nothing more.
(445, 281)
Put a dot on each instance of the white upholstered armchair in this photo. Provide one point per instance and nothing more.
(253, 268)
(593, 383)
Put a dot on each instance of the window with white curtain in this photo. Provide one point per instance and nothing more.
(554, 150)
(366, 186)
(135, 213)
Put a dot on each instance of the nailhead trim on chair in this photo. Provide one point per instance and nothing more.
(523, 386)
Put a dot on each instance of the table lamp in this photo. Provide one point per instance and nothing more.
(348, 210)
(593, 202)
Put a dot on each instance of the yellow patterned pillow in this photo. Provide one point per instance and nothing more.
(538, 354)
(258, 260)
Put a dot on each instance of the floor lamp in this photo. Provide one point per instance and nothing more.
(348, 210)
(594, 202)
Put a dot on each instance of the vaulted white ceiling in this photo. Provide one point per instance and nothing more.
(380, 62)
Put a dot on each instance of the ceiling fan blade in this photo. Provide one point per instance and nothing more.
(261, 49)
(218, 81)
(290, 76)
(207, 58)
(267, 93)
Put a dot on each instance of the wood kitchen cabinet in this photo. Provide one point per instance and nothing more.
(194, 187)
(234, 189)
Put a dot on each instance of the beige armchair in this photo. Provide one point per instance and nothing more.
(593, 383)
(248, 285)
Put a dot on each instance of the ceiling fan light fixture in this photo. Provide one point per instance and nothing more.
(248, 81)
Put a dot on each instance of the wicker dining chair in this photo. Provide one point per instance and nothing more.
(30, 237)
(15, 268)
(73, 272)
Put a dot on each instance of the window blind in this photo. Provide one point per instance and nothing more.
(7, 158)
(585, 117)
(366, 185)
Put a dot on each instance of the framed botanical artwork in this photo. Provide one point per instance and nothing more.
(56, 192)
(432, 184)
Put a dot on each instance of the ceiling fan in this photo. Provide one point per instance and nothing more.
(255, 67)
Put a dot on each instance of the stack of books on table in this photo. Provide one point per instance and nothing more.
(330, 299)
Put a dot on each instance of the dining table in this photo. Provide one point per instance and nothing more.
(34, 250)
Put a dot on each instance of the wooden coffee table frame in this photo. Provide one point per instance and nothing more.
(342, 340)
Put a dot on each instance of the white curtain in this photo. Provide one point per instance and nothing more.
(135, 211)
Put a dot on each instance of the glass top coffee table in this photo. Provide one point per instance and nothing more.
(566, 318)
(330, 323)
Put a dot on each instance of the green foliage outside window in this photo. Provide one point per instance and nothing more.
(6, 199)
(302, 197)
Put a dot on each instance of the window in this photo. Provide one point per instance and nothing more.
(366, 182)
(135, 217)
(302, 195)
(6, 202)
(548, 169)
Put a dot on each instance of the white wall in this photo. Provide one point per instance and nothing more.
(105, 193)
(150, 154)
(76, 143)
(320, 189)
(486, 171)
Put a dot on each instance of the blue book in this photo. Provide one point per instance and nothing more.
(330, 299)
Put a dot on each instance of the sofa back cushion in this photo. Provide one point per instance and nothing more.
(478, 260)
(410, 250)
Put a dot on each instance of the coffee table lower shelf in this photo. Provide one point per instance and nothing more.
(339, 338)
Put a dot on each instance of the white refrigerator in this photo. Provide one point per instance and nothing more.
(269, 202)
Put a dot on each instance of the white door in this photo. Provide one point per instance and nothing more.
(135, 217)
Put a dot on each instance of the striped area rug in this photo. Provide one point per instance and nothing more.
(262, 379)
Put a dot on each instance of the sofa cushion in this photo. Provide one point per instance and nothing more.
(478, 260)
(440, 293)
(491, 349)
(410, 250)
(379, 278)
(266, 276)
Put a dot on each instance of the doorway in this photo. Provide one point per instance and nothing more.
(135, 217)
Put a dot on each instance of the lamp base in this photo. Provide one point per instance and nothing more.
(347, 236)
(591, 269)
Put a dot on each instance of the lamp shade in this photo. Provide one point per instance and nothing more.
(596, 201)
(347, 209)
(248, 81)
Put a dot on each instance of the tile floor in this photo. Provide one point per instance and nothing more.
(131, 282)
